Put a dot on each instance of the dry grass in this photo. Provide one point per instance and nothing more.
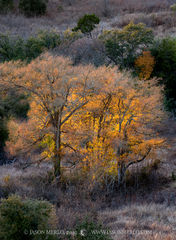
(31, 182)
(130, 215)
(165, 19)
(137, 217)
(153, 221)
(114, 7)
(64, 14)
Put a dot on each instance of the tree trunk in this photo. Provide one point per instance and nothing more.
(58, 155)
(57, 166)
(121, 174)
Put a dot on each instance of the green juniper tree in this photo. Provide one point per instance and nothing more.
(87, 23)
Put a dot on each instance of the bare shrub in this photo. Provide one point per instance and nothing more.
(85, 51)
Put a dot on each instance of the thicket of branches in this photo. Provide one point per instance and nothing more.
(96, 119)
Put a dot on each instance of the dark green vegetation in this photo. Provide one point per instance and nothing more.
(18, 218)
(6, 5)
(164, 52)
(28, 7)
(87, 23)
(12, 104)
(33, 7)
(36, 220)
(19, 49)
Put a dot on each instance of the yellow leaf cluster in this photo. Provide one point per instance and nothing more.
(145, 64)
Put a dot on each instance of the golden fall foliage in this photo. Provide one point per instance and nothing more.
(96, 118)
(120, 124)
(145, 64)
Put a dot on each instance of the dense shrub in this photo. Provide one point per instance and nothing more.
(89, 230)
(10, 48)
(164, 52)
(12, 104)
(124, 46)
(87, 23)
(3, 133)
(6, 5)
(34, 46)
(16, 48)
(18, 218)
(50, 39)
(33, 7)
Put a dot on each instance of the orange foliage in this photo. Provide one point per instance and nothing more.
(119, 123)
(98, 118)
(145, 64)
